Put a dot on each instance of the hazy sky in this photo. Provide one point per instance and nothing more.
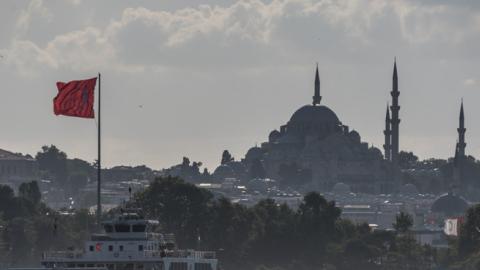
(181, 78)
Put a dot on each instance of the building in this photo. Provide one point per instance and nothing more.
(16, 168)
(322, 152)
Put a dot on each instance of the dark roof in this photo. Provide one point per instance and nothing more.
(7, 155)
(314, 115)
(254, 153)
(450, 204)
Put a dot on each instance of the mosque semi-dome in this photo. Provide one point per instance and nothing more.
(341, 188)
(409, 189)
(449, 204)
(254, 153)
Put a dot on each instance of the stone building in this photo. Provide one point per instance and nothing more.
(315, 139)
(16, 168)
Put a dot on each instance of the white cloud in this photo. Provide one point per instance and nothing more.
(141, 34)
(34, 8)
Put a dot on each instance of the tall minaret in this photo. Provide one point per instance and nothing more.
(461, 134)
(395, 120)
(388, 136)
(316, 97)
(459, 158)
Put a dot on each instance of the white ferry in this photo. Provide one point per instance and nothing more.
(129, 243)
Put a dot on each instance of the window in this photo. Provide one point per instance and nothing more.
(203, 266)
(108, 228)
(138, 228)
(122, 228)
(179, 266)
(140, 247)
(110, 248)
(91, 248)
(121, 248)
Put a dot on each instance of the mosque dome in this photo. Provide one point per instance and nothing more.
(354, 136)
(254, 153)
(314, 115)
(341, 188)
(409, 189)
(449, 204)
(274, 136)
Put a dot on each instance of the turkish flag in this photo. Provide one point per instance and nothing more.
(75, 98)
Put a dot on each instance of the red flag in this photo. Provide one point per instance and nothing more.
(75, 98)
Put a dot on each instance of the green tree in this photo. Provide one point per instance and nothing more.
(316, 226)
(30, 192)
(21, 237)
(407, 159)
(226, 157)
(180, 207)
(469, 238)
(274, 232)
(54, 161)
(403, 222)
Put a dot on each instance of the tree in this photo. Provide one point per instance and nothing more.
(403, 222)
(30, 192)
(257, 170)
(226, 157)
(469, 238)
(406, 159)
(54, 161)
(179, 206)
(317, 220)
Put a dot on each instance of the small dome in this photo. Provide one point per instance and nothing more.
(450, 204)
(354, 136)
(314, 115)
(274, 136)
(341, 188)
(254, 153)
(409, 189)
(223, 171)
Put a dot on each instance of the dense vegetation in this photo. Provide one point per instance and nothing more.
(265, 236)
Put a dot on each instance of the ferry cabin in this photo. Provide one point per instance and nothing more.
(128, 244)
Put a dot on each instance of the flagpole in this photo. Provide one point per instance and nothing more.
(99, 163)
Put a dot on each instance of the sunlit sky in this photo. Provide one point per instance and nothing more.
(192, 78)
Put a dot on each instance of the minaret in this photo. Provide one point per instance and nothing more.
(317, 98)
(461, 134)
(455, 185)
(395, 120)
(388, 133)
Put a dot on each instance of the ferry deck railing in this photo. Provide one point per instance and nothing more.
(148, 254)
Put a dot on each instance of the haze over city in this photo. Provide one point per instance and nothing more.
(181, 78)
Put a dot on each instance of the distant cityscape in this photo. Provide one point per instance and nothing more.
(313, 151)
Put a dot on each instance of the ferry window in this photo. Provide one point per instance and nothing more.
(179, 266)
(108, 228)
(140, 247)
(121, 248)
(110, 248)
(91, 248)
(138, 228)
(203, 266)
(122, 228)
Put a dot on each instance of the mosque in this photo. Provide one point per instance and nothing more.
(314, 140)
